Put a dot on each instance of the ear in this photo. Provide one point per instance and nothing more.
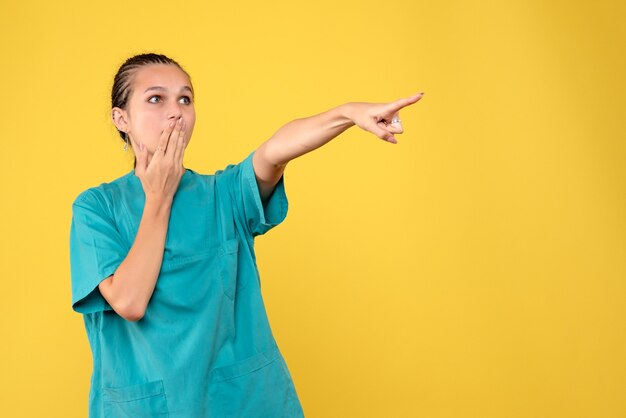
(120, 119)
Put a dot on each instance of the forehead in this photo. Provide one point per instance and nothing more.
(164, 75)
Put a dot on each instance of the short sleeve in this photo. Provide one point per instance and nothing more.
(240, 180)
(96, 250)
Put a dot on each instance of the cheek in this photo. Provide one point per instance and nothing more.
(148, 128)
(190, 120)
(151, 123)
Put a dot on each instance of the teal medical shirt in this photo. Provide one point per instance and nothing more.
(204, 347)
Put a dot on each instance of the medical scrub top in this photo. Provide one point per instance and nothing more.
(204, 347)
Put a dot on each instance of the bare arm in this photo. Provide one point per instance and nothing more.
(304, 135)
(130, 288)
(293, 140)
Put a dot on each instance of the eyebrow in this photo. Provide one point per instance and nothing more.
(160, 88)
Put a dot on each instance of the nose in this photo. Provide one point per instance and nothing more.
(174, 111)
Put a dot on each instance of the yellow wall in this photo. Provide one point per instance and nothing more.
(476, 269)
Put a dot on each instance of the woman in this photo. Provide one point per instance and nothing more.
(162, 259)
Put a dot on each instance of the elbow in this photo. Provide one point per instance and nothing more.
(128, 308)
(271, 154)
(133, 318)
(131, 313)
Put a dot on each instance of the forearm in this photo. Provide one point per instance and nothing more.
(304, 135)
(132, 285)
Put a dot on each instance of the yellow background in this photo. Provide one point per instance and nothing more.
(476, 269)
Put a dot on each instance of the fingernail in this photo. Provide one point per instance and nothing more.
(172, 124)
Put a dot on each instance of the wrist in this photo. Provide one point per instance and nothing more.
(346, 112)
(158, 205)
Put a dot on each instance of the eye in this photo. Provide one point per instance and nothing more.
(154, 99)
(185, 100)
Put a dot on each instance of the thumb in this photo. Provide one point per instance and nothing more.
(142, 158)
(141, 154)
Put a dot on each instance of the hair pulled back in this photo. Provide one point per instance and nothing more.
(124, 78)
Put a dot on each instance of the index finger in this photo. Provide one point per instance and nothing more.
(400, 103)
(179, 145)
(163, 141)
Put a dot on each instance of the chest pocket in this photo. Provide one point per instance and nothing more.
(228, 253)
(202, 240)
(229, 258)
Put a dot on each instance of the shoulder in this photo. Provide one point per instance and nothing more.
(234, 169)
(104, 193)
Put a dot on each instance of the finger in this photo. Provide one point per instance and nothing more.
(142, 157)
(404, 102)
(141, 154)
(180, 146)
(380, 130)
(395, 125)
(163, 141)
(173, 143)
